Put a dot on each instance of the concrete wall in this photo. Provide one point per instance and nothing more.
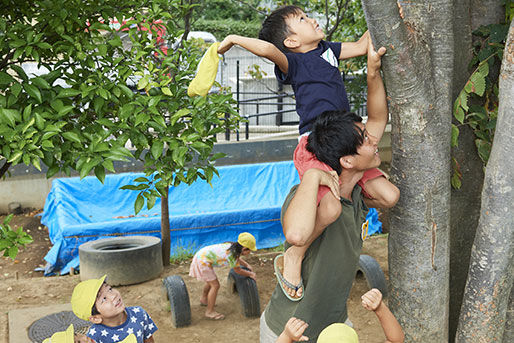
(29, 187)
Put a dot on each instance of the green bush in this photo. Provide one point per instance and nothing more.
(221, 29)
(11, 240)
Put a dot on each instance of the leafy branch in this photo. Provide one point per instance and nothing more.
(476, 105)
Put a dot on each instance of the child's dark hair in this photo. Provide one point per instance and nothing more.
(274, 28)
(335, 134)
(235, 249)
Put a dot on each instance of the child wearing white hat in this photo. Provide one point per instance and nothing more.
(224, 254)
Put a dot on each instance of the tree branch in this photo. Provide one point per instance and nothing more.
(4, 169)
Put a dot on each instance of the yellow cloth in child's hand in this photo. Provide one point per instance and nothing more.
(206, 73)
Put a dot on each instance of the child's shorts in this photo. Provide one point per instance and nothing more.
(201, 272)
(304, 159)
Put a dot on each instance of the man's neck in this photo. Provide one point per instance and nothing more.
(349, 179)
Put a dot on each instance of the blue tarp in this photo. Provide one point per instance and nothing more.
(243, 198)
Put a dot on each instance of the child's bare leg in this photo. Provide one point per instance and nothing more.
(328, 211)
(205, 293)
(383, 193)
(211, 300)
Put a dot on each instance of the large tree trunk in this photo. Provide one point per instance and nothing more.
(465, 202)
(419, 233)
(490, 275)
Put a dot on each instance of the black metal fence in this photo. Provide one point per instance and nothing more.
(284, 112)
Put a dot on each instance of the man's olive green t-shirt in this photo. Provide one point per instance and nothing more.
(328, 271)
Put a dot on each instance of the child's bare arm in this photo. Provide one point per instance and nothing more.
(382, 192)
(372, 301)
(245, 264)
(293, 331)
(149, 340)
(376, 101)
(354, 49)
(244, 272)
(257, 47)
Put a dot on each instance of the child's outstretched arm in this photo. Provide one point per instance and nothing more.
(372, 301)
(376, 102)
(258, 47)
(354, 49)
(293, 331)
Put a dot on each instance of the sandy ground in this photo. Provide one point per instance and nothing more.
(22, 287)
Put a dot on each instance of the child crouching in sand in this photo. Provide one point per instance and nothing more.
(224, 254)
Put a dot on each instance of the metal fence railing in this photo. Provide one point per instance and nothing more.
(267, 106)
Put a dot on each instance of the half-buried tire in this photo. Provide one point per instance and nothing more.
(179, 301)
(125, 260)
(248, 294)
(373, 273)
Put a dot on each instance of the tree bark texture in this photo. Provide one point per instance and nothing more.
(165, 229)
(465, 202)
(490, 276)
(485, 12)
(508, 334)
(419, 233)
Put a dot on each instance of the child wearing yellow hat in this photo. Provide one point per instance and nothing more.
(70, 336)
(342, 333)
(96, 301)
(224, 254)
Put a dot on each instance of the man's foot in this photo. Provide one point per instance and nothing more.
(203, 301)
(214, 316)
(290, 282)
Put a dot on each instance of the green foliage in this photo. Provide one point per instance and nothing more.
(477, 103)
(222, 28)
(66, 116)
(173, 134)
(11, 240)
(235, 10)
(80, 113)
(182, 254)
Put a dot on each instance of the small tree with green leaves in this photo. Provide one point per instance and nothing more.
(58, 116)
(173, 134)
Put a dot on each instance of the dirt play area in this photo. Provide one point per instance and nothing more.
(22, 287)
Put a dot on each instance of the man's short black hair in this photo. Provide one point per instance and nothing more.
(335, 134)
(274, 28)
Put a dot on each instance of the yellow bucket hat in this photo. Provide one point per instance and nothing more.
(84, 296)
(206, 73)
(247, 240)
(338, 333)
(62, 336)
